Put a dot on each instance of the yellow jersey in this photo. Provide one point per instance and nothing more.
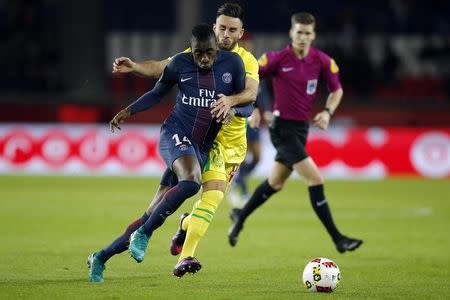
(233, 136)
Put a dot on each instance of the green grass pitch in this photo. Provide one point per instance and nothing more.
(49, 225)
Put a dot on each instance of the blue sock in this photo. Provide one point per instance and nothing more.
(171, 201)
(241, 178)
(121, 243)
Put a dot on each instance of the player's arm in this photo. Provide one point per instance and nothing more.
(322, 119)
(244, 111)
(246, 96)
(148, 68)
(149, 99)
(331, 75)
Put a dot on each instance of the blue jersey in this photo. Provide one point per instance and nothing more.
(197, 91)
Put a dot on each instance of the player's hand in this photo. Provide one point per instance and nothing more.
(123, 65)
(322, 120)
(221, 107)
(119, 118)
(229, 116)
(255, 119)
(268, 116)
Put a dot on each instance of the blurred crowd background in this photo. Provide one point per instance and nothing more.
(56, 56)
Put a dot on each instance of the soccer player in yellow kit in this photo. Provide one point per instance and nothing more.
(227, 154)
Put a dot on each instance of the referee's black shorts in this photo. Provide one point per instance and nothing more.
(289, 139)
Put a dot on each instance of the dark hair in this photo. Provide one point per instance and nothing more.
(203, 32)
(303, 18)
(231, 10)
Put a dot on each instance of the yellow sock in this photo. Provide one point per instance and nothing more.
(200, 218)
(185, 223)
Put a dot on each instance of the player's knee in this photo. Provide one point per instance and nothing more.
(189, 187)
(276, 183)
(315, 179)
(212, 199)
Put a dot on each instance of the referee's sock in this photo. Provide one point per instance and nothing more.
(120, 244)
(261, 194)
(320, 205)
(171, 201)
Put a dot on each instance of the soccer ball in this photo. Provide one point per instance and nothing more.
(321, 275)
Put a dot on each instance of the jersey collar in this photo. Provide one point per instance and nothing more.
(306, 59)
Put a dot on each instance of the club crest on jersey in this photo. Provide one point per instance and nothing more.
(227, 77)
(311, 86)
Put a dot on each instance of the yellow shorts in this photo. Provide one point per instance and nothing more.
(217, 168)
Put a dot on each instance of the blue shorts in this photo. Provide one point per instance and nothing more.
(252, 135)
(174, 143)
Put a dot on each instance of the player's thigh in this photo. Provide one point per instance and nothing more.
(187, 167)
(214, 168)
(309, 171)
(255, 149)
(278, 175)
(180, 154)
(289, 140)
(253, 142)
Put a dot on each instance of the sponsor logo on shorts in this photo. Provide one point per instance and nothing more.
(183, 147)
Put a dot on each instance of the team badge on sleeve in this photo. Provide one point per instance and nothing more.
(262, 61)
(333, 66)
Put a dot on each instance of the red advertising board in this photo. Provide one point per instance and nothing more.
(339, 152)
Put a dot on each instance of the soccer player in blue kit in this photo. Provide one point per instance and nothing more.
(188, 133)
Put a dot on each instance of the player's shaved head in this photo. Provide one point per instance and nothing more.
(203, 45)
(203, 32)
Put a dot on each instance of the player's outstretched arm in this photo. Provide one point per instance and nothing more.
(149, 99)
(148, 68)
(322, 119)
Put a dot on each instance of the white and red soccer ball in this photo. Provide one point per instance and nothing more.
(321, 275)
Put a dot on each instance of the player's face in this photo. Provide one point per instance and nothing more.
(228, 31)
(204, 53)
(302, 36)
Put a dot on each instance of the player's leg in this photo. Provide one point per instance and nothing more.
(308, 170)
(215, 176)
(275, 182)
(188, 171)
(240, 181)
(201, 217)
(287, 145)
(205, 207)
(97, 260)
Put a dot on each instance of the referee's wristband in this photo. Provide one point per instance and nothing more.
(328, 110)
